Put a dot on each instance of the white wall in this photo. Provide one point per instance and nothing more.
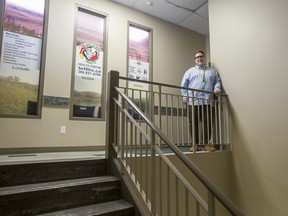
(173, 49)
(249, 46)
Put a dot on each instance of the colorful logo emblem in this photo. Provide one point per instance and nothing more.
(90, 52)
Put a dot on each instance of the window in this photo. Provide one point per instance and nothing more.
(22, 41)
(87, 93)
(139, 65)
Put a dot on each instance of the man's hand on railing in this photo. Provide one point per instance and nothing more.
(217, 92)
(185, 100)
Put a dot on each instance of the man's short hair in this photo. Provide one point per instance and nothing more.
(199, 51)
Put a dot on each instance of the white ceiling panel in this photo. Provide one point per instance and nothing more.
(190, 14)
(126, 2)
(196, 23)
(161, 9)
(203, 11)
(189, 4)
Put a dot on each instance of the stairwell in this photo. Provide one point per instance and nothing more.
(78, 187)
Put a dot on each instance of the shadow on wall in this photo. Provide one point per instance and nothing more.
(31, 107)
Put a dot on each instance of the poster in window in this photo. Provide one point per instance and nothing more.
(89, 61)
(21, 49)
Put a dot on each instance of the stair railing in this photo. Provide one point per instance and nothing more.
(136, 147)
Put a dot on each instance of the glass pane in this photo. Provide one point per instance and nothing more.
(21, 51)
(89, 62)
(139, 67)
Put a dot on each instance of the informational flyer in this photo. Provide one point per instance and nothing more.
(138, 70)
(21, 52)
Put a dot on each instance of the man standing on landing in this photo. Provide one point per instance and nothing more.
(208, 83)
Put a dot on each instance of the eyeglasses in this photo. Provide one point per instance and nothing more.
(201, 56)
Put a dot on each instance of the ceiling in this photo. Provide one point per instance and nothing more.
(190, 14)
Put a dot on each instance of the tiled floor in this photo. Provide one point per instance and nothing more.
(44, 157)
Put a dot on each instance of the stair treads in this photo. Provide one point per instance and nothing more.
(93, 210)
(56, 184)
(38, 172)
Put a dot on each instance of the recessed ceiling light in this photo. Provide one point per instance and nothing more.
(149, 3)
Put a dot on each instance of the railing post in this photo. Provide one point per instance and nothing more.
(113, 81)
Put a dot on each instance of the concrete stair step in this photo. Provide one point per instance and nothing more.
(47, 171)
(112, 208)
(32, 199)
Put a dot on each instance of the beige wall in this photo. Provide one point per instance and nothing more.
(173, 49)
(249, 47)
(216, 167)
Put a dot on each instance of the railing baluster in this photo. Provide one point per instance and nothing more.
(136, 153)
(171, 114)
(186, 202)
(168, 192)
(182, 121)
(121, 135)
(160, 186)
(147, 170)
(197, 208)
(159, 116)
(140, 163)
(226, 120)
(217, 122)
(220, 118)
(202, 122)
(153, 175)
(176, 195)
(188, 131)
(166, 115)
(211, 204)
(177, 121)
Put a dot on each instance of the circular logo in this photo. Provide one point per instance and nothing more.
(90, 52)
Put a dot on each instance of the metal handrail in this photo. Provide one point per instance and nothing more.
(167, 85)
(113, 92)
(223, 199)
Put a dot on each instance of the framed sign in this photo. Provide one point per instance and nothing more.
(23, 41)
(87, 92)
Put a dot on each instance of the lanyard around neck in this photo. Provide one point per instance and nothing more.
(202, 71)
